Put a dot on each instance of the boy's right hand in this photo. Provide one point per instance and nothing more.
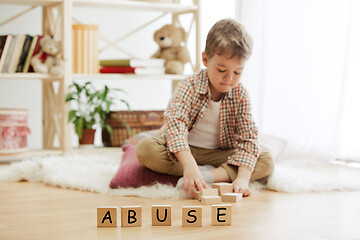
(192, 177)
(193, 180)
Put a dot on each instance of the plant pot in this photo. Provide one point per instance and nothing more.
(88, 136)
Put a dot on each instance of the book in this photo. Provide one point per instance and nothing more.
(15, 55)
(115, 69)
(150, 71)
(9, 54)
(2, 43)
(34, 41)
(5, 51)
(24, 53)
(36, 51)
(151, 62)
(133, 70)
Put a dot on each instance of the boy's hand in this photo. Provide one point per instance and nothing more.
(192, 177)
(193, 180)
(241, 186)
(241, 183)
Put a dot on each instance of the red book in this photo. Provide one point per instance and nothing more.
(114, 69)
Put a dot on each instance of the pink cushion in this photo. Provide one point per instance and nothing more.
(132, 174)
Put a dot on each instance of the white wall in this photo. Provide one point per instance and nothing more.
(142, 94)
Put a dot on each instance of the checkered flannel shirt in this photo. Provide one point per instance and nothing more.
(237, 129)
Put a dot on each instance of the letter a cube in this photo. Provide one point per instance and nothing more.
(131, 216)
(107, 216)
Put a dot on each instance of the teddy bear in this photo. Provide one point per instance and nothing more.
(170, 40)
(48, 60)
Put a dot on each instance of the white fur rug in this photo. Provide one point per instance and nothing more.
(93, 172)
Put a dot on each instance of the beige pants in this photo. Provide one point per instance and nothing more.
(152, 153)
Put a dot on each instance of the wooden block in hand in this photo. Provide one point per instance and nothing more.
(209, 192)
(231, 197)
(197, 195)
(131, 216)
(107, 216)
(210, 199)
(192, 216)
(223, 187)
(221, 215)
(161, 215)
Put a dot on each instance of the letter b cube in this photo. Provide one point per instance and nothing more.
(131, 216)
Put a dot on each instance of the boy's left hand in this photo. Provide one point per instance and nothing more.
(241, 185)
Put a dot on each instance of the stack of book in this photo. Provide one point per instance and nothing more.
(152, 66)
(16, 52)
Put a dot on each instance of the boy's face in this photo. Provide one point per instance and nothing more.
(224, 73)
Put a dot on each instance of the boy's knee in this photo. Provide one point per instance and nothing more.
(267, 162)
(143, 148)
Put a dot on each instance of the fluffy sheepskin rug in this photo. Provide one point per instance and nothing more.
(88, 172)
(93, 172)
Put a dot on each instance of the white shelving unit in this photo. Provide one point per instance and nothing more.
(59, 25)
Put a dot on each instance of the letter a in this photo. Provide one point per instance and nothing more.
(107, 216)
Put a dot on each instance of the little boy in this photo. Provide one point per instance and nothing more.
(209, 135)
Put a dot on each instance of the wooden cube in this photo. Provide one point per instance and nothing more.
(131, 216)
(210, 199)
(231, 197)
(223, 187)
(192, 216)
(107, 216)
(209, 192)
(221, 215)
(197, 195)
(161, 215)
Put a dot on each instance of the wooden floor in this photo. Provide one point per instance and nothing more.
(37, 211)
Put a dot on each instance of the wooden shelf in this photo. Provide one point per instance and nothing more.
(57, 21)
(32, 76)
(127, 76)
(47, 77)
(119, 4)
(31, 2)
(136, 5)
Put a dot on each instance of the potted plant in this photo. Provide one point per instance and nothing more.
(90, 109)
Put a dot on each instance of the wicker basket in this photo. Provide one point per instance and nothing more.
(139, 121)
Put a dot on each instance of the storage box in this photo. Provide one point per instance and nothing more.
(86, 49)
(139, 121)
(13, 130)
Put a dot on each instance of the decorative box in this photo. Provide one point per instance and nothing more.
(13, 130)
(86, 49)
(138, 121)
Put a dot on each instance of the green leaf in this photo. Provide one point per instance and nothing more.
(79, 126)
(77, 86)
(69, 97)
(72, 115)
(128, 128)
(126, 103)
(110, 130)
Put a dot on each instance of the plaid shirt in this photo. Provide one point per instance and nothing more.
(189, 105)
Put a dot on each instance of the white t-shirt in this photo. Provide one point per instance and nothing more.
(206, 133)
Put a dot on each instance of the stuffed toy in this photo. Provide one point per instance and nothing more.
(48, 60)
(170, 40)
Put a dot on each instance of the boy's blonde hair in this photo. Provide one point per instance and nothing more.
(228, 37)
